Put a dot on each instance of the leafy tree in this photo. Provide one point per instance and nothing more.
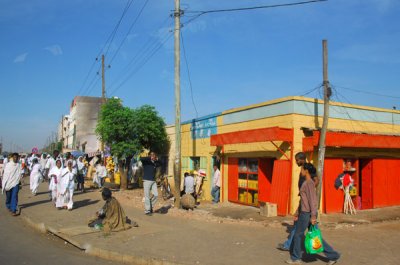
(129, 131)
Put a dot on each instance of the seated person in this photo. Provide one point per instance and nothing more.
(112, 217)
(189, 183)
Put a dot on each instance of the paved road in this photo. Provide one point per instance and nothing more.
(20, 244)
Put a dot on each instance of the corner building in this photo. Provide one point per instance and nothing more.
(254, 146)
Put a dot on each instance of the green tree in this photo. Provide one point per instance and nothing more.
(129, 131)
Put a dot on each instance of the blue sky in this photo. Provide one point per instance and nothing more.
(235, 59)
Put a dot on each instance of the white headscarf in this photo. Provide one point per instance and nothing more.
(80, 164)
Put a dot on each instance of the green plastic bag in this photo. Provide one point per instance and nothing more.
(313, 241)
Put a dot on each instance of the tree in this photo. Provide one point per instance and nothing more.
(129, 131)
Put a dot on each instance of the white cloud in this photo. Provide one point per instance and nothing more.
(21, 58)
(54, 49)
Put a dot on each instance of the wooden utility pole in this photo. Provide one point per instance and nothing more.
(103, 80)
(103, 91)
(177, 164)
(322, 136)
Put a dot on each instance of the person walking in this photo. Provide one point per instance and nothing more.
(300, 158)
(35, 176)
(66, 187)
(305, 215)
(150, 166)
(216, 185)
(55, 176)
(10, 183)
(81, 174)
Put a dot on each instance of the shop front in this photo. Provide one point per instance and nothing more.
(254, 178)
(372, 162)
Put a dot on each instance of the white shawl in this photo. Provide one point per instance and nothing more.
(11, 176)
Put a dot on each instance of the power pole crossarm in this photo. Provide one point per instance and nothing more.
(321, 145)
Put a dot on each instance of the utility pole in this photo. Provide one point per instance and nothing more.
(177, 164)
(322, 136)
(103, 80)
(103, 91)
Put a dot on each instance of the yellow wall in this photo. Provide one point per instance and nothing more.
(202, 148)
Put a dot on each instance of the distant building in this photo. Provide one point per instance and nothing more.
(77, 130)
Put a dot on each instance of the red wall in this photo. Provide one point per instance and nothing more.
(333, 198)
(280, 189)
(385, 182)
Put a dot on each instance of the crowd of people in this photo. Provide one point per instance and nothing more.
(63, 173)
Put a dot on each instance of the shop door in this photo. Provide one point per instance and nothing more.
(265, 179)
(280, 188)
(333, 198)
(365, 189)
(385, 182)
(233, 179)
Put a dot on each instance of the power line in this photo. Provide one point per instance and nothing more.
(127, 34)
(111, 36)
(188, 72)
(144, 61)
(152, 42)
(312, 90)
(367, 92)
(200, 13)
(114, 32)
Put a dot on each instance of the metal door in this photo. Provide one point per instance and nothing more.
(365, 188)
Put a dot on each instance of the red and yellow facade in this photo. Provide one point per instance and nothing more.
(255, 146)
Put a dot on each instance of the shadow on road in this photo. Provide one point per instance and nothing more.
(26, 205)
(83, 203)
(164, 209)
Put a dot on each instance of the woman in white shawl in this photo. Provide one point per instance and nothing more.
(55, 175)
(35, 176)
(65, 187)
(11, 178)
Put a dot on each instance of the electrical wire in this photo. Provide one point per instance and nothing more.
(200, 13)
(188, 72)
(143, 63)
(129, 31)
(367, 92)
(114, 32)
(312, 90)
(148, 46)
(111, 36)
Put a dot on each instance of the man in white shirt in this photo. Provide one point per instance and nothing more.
(216, 185)
(189, 183)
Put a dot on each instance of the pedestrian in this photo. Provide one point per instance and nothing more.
(51, 162)
(305, 215)
(1, 169)
(199, 179)
(300, 158)
(216, 185)
(43, 161)
(66, 187)
(10, 183)
(35, 176)
(80, 177)
(150, 166)
(55, 176)
(101, 173)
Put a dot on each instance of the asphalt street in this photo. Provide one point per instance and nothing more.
(20, 244)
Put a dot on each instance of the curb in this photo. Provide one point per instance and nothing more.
(97, 252)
